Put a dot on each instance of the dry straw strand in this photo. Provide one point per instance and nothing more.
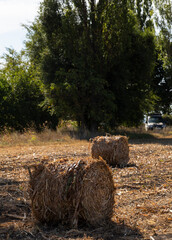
(113, 149)
(68, 191)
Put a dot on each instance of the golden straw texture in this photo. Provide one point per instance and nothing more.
(68, 191)
(113, 149)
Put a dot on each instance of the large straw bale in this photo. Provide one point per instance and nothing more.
(113, 149)
(66, 191)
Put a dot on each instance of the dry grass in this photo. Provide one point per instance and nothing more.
(143, 202)
(31, 137)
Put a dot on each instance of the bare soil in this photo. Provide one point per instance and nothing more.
(143, 199)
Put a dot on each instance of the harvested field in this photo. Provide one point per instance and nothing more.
(143, 198)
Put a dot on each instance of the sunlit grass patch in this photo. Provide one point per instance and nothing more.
(32, 137)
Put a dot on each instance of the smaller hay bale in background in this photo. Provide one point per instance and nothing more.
(66, 191)
(113, 149)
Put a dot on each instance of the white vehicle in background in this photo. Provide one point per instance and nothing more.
(154, 121)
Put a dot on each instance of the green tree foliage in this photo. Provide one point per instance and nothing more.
(95, 59)
(20, 94)
(163, 70)
(131, 56)
(165, 57)
(5, 102)
(163, 16)
(144, 11)
(162, 85)
(68, 64)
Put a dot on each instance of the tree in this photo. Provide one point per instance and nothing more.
(94, 59)
(130, 55)
(5, 102)
(162, 85)
(163, 71)
(69, 61)
(143, 11)
(21, 94)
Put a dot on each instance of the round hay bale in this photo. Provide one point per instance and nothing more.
(66, 191)
(113, 149)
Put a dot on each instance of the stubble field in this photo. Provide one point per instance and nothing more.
(143, 198)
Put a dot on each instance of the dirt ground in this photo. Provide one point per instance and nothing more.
(143, 199)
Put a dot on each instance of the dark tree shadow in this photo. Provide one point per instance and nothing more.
(162, 141)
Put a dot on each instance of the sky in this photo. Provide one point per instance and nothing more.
(14, 13)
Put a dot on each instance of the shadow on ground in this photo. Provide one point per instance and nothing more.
(111, 231)
(135, 137)
(16, 221)
(161, 141)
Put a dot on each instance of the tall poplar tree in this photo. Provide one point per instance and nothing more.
(95, 59)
